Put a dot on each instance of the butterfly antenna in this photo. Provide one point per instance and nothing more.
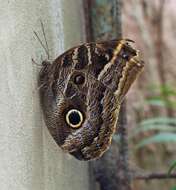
(41, 43)
(44, 34)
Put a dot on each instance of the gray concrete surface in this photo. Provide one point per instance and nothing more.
(29, 158)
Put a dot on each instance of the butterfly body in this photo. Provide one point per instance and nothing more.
(81, 92)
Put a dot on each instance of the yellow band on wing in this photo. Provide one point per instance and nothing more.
(115, 54)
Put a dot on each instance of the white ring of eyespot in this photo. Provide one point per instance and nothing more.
(68, 121)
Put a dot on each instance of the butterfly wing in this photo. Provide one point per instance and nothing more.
(81, 95)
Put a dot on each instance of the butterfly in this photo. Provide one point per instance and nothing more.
(81, 92)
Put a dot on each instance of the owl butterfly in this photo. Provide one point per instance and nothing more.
(81, 92)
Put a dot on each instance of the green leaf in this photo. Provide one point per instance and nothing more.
(158, 138)
(165, 97)
(172, 167)
(167, 89)
(155, 102)
(161, 102)
(144, 128)
(173, 188)
(159, 121)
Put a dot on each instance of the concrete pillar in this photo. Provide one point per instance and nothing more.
(29, 158)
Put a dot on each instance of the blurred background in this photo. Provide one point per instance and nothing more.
(151, 103)
(146, 138)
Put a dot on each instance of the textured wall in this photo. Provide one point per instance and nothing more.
(29, 158)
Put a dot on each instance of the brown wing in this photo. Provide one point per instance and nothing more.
(82, 95)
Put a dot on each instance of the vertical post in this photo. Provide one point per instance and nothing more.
(111, 170)
(29, 157)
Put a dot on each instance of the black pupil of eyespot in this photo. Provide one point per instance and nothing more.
(79, 79)
(74, 118)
